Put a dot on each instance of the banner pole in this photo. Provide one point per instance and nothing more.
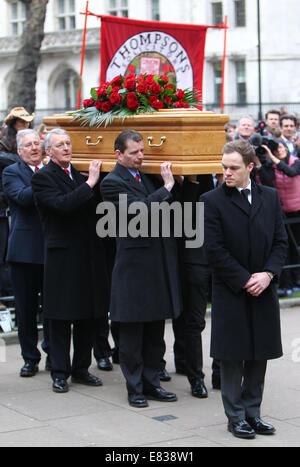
(82, 56)
(223, 65)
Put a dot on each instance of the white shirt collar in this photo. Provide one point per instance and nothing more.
(32, 167)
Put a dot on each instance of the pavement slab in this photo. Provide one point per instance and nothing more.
(31, 414)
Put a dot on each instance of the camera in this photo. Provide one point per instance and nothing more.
(257, 140)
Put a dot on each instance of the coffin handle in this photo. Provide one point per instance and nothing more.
(88, 141)
(162, 139)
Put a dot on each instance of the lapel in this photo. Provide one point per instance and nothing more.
(124, 173)
(257, 199)
(26, 171)
(237, 199)
(63, 177)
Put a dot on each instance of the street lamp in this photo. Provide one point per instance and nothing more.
(259, 62)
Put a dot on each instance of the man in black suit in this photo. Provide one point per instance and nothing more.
(145, 278)
(245, 244)
(75, 286)
(25, 253)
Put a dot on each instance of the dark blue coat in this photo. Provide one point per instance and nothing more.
(26, 242)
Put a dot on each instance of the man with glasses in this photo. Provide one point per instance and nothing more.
(25, 253)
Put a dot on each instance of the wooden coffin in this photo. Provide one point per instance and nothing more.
(192, 140)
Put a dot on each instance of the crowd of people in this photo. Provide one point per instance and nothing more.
(89, 286)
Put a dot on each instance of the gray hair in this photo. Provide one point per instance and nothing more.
(55, 131)
(22, 133)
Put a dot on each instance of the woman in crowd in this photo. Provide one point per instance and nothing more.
(286, 179)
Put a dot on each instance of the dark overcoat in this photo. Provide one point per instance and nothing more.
(75, 282)
(145, 279)
(26, 240)
(240, 240)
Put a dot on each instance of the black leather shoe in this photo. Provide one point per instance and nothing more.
(29, 369)
(164, 375)
(104, 364)
(198, 389)
(137, 400)
(159, 394)
(260, 427)
(87, 379)
(60, 385)
(241, 429)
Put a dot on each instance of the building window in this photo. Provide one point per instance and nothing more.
(241, 88)
(155, 10)
(217, 82)
(65, 90)
(66, 14)
(18, 12)
(217, 13)
(240, 13)
(118, 8)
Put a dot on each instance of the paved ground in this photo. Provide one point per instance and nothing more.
(32, 415)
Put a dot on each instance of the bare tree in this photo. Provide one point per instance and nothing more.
(21, 90)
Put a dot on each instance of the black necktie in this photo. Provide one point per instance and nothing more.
(246, 193)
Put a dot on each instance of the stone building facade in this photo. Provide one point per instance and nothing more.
(59, 70)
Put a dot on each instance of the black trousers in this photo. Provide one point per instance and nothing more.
(101, 345)
(242, 385)
(188, 352)
(140, 352)
(27, 283)
(60, 332)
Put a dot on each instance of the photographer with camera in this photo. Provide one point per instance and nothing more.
(285, 170)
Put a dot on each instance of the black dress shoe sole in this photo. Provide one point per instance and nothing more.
(138, 405)
(86, 383)
(200, 396)
(28, 374)
(60, 390)
(158, 399)
(241, 435)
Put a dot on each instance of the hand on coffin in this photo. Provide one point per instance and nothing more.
(94, 173)
(167, 176)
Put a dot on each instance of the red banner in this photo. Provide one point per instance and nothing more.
(174, 50)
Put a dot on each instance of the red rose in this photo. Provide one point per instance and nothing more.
(88, 103)
(102, 90)
(115, 89)
(155, 89)
(180, 94)
(169, 86)
(142, 87)
(98, 105)
(168, 100)
(152, 99)
(132, 101)
(115, 98)
(131, 76)
(130, 84)
(149, 79)
(164, 78)
(181, 105)
(116, 81)
(106, 106)
(158, 104)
